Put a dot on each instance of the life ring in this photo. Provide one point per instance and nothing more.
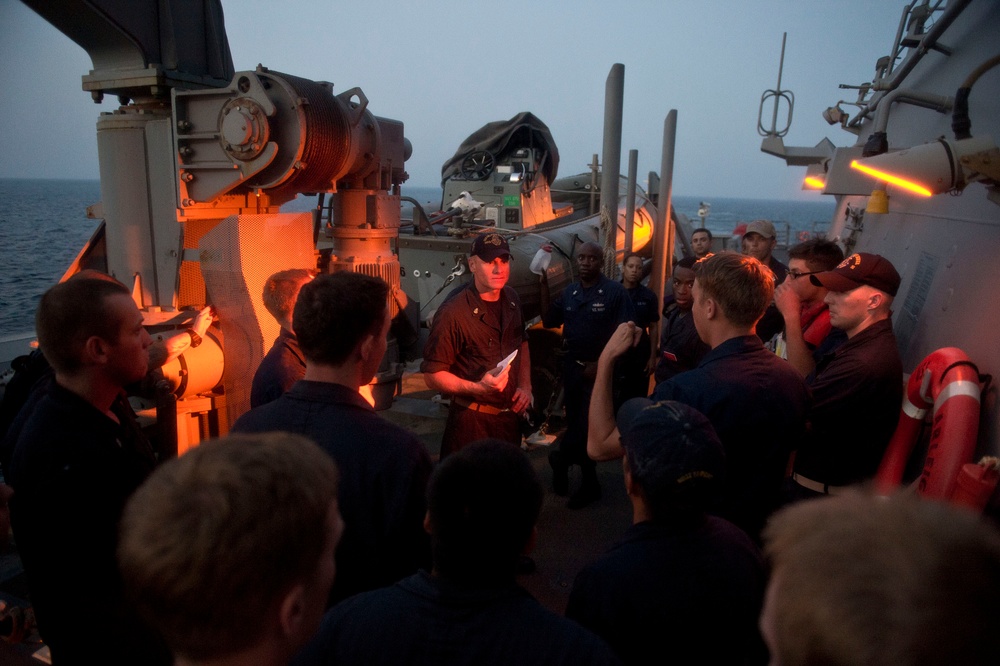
(948, 381)
(803, 236)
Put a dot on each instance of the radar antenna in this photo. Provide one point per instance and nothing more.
(777, 94)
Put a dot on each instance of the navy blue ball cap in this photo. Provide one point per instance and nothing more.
(670, 443)
(489, 246)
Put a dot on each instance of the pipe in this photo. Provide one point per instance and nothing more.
(777, 89)
(633, 168)
(878, 141)
(595, 166)
(663, 233)
(614, 92)
(939, 103)
(927, 42)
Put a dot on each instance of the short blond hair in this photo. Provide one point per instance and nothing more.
(861, 580)
(214, 539)
(742, 286)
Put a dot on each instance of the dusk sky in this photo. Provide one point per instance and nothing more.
(447, 67)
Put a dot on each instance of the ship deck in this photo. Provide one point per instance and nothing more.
(567, 540)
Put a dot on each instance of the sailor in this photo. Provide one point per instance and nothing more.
(759, 240)
(639, 361)
(857, 388)
(284, 364)
(677, 576)
(680, 347)
(858, 580)
(33, 371)
(341, 320)
(701, 242)
(756, 401)
(589, 311)
(482, 506)
(803, 305)
(202, 539)
(78, 455)
(468, 353)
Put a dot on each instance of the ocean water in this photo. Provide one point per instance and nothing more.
(43, 225)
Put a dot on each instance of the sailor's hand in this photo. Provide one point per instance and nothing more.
(625, 337)
(522, 400)
(788, 303)
(494, 383)
(202, 321)
(651, 363)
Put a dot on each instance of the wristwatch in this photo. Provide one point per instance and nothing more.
(195, 338)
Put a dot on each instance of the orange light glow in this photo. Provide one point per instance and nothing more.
(908, 185)
(814, 183)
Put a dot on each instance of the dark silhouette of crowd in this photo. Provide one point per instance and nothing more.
(321, 533)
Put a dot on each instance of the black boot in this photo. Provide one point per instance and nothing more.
(589, 492)
(560, 474)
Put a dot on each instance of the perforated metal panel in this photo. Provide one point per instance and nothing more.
(237, 256)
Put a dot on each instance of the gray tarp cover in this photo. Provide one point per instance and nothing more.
(499, 137)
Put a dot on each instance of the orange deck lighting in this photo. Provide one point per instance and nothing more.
(910, 186)
(815, 178)
(931, 168)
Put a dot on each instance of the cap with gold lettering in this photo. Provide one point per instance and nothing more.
(858, 269)
(490, 246)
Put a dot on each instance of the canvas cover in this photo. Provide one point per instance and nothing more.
(503, 136)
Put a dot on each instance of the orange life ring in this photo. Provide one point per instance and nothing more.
(803, 236)
(948, 381)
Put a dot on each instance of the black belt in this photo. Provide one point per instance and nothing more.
(479, 407)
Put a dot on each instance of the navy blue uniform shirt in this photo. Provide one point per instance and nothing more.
(757, 403)
(589, 315)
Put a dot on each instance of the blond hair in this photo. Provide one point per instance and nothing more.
(860, 581)
(742, 286)
(214, 539)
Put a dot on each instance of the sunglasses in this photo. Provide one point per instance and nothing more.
(795, 275)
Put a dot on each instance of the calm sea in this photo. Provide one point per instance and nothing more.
(43, 225)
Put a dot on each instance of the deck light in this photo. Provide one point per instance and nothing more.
(878, 174)
(932, 168)
(815, 178)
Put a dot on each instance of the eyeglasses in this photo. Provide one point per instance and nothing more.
(795, 275)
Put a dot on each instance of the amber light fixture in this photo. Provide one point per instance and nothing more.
(934, 168)
(899, 181)
(815, 178)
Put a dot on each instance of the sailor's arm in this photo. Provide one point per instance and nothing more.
(603, 441)
(443, 346)
(487, 385)
(790, 307)
(522, 396)
(654, 332)
(545, 300)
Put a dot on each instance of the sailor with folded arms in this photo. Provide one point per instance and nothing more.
(860, 382)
